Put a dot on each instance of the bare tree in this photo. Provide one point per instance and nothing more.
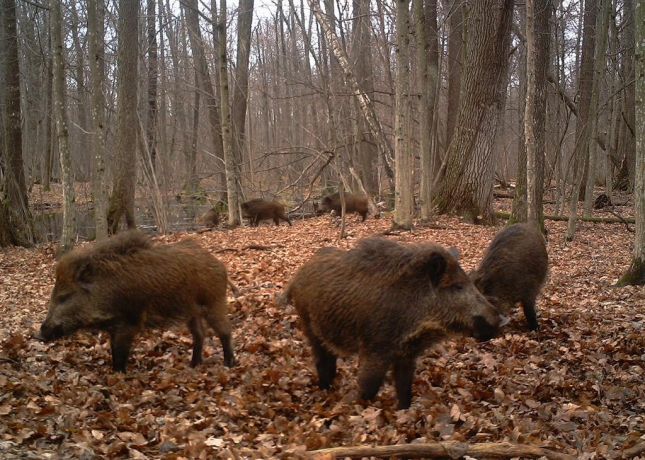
(455, 46)
(635, 275)
(403, 191)
(96, 37)
(125, 174)
(60, 116)
(468, 183)
(16, 227)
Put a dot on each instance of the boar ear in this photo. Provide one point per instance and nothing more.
(84, 271)
(454, 252)
(436, 267)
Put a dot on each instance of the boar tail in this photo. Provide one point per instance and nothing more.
(284, 298)
(234, 289)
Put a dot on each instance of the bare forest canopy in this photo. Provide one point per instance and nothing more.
(300, 99)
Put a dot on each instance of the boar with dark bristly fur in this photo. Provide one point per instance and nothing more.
(513, 270)
(353, 203)
(209, 219)
(387, 303)
(127, 283)
(258, 209)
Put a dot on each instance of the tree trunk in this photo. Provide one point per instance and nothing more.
(636, 273)
(241, 93)
(60, 115)
(153, 71)
(234, 213)
(125, 174)
(468, 184)
(96, 34)
(455, 45)
(428, 63)
(16, 226)
(403, 191)
(583, 123)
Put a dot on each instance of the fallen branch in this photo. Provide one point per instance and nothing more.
(604, 220)
(631, 452)
(448, 449)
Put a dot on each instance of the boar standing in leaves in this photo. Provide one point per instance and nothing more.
(513, 270)
(353, 203)
(258, 209)
(386, 302)
(126, 283)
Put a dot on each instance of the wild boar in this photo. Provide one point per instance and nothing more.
(387, 303)
(127, 283)
(353, 203)
(209, 219)
(513, 270)
(258, 209)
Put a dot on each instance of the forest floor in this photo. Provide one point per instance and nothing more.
(576, 387)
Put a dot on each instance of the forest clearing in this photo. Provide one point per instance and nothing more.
(574, 387)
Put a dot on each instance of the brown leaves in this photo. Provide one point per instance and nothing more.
(574, 387)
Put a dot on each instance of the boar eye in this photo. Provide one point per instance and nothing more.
(62, 298)
(458, 287)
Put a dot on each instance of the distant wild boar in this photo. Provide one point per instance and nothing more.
(127, 283)
(258, 209)
(513, 270)
(387, 302)
(209, 219)
(353, 203)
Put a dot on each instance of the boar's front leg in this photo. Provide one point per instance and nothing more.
(403, 375)
(121, 338)
(528, 305)
(371, 375)
(325, 362)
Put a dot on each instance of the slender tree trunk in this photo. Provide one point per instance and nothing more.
(152, 84)
(636, 273)
(241, 90)
(455, 45)
(428, 63)
(16, 227)
(234, 213)
(60, 115)
(403, 192)
(123, 190)
(96, 39)
(583, 123)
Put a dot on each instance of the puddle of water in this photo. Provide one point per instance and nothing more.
(181, 217)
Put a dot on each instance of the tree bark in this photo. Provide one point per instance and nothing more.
(16, 226)
(123, 190)
(468, 183)
(403, 190)
(60, 116)
(96, 34)
(635, 275)
(455, 46)
(234, 212)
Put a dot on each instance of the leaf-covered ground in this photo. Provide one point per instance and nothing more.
(575, 387)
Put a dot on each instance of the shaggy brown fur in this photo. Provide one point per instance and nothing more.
(126, 283)
(258, 209)
(513, 270)
(209, 219)
(388, 303)
(353, 203)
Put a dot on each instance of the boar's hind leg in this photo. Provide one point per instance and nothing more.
(218, 320)
(528, 305)
(121, 339)
(325, 362)
(403, 376)
(371, 375)
(197, 330)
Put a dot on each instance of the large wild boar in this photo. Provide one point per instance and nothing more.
(386, 302)
(258, 209)
(127, 283)
(513, 270)
(353, 203)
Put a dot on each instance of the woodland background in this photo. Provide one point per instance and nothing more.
(446, 113)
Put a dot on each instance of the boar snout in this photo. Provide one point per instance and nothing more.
(484, 330)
